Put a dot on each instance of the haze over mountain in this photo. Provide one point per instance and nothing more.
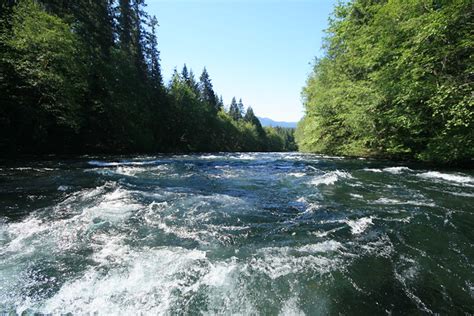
(269, 122)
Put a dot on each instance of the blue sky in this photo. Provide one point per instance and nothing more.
(260, 50)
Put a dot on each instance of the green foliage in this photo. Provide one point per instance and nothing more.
(84, 76)
(206, 91)
(281, 139)
(39, 57)
(396, 81)
(235, 111)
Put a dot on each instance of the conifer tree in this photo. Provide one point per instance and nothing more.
(240, 107)
(221, 103)
(138, 14)
(253, 119)
(154, 55)
(125, 25)
(185, 73)
(192, 83)
(84, 76)
(234, 110)
(206, 90)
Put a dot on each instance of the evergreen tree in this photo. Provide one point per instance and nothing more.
(125, 25)
(138, 32)
(192, 83)
(154, 55)
(251, 118)
(234, 110)
(84, 76)
(185, 73)
(206, 90)
(240, 108)
(220, 103)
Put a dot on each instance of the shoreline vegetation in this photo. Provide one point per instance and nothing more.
(396, 82)
(84, 77)
(77, 77)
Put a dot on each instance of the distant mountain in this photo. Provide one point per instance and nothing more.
(269, 122)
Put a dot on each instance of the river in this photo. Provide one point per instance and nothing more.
(241, 233)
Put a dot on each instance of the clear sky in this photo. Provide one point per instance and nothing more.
(257, 50)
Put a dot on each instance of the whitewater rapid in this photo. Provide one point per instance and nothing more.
(243, 233)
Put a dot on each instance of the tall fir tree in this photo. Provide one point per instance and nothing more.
(240, 107)
(206, 90)
(235, 111)
(192, 83)
(125, 23)
(154, 54)
(185, 73)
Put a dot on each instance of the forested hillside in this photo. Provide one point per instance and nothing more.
(84, 77)
(396, 81)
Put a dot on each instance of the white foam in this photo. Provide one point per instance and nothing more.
(360, 225)
(122, 163)
(128, 171)
(23, 168)
(387, 201)
(224, 174)
(460, 194)
(325, 233)
(103, 163)
(90, 193)
(276, 262)
(183, 232)
(218, 274)
(312, 207)
(63, 188)
(373, 170)
(20, 235)
(280, 264)
(296, 174)
(114, 207)
(293, 157)
(330, 177)
(331, 157)
(210, 157)
(32, 169)
(302, 200)
(143, 282)
(290, 308)
(381, 247)
(325, 246)
(150, 281)
(108, 248)
(244, 157)
(396, 170)
(456, 178)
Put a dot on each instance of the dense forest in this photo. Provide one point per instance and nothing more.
(396, 81)
(84, 77)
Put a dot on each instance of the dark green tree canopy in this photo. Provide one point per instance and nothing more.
(185, 73)
(207, 91)
(85, 76)
(234, 111)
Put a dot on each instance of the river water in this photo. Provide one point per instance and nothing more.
(273, 234)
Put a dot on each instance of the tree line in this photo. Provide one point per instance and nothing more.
(396, 81)
(84, 77)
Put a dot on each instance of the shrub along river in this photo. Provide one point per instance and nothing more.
(263, 233)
